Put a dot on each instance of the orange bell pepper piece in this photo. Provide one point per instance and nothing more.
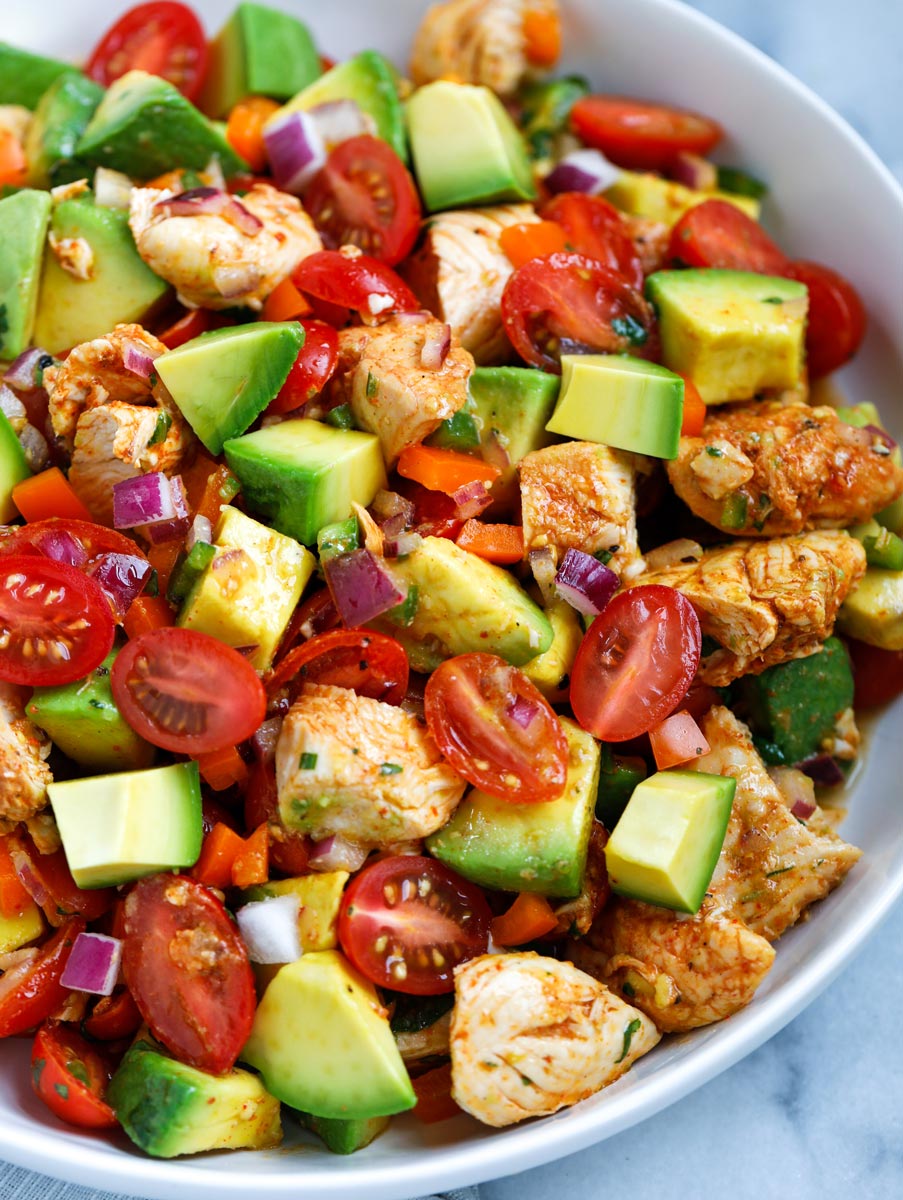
(444, 470)
(529, 917)
(49, 494)
(495, 543)
(252, 865)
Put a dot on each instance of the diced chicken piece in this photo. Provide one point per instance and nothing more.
(576, 916)
(75, 255)
(391, 393)
(220, 259)
(803, 468)
(475, 41)
(459, 272)
(531, 1035)
(652, 239)
(765, 602)
(24, 774)
(580, 495)
(349, 765)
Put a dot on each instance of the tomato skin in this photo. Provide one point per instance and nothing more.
(370, 663)
(836, 321)
(200, 1010)
(496, 728)
(86, 541)
(162, 37)
(425, 938)
(171, 678)
(594, 228)
(642, 135)
(56, 1048)
(346, 282)
(113, 1017)
(877, 674)
(311, 370)
(717, 234)
(30, 992)
(364, 196)
(571, 303)
(636, 662)
(49, 881)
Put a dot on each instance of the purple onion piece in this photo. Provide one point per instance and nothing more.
(336, 854)
(60, 545)
(122, 577)
(471, 499)
(882, 435)
(295, 149)
(161, 532)
(22, 372)
(495, 453)
(435, 348)
(585, 583)
(822, 769)
(361, 586)
(586, 171)
(803, 809)
(405, 543)
(522, 711)
(93, 964)
(694, 172)
(142, 501)
(393, 526)
(390, 504)
(264, 740)
(207, 201)
(136, 359)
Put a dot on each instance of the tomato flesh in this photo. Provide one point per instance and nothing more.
(369, 663)
(113, 1017)
(311, 370)
(342, 282)
(70, 1077)
(163, 38)
(48, 880)
(717, 234)
(642, 135)
(406, 922)
(836, 320)
(595, 228)
(877, 674)
(30, 992)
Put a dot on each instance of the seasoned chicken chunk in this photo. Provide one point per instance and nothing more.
(580, 495)
(220, 259)
(530, 1035)
(765, 602)
(354, 766)
(392, 394)
(459, 272)
(475, 41)
(799, 468)
(24, 774)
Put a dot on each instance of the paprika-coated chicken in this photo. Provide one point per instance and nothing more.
(24, 774)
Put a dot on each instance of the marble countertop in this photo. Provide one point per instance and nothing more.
(817, 1112)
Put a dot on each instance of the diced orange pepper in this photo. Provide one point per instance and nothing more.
(694, 410)
(444, 470)
(163, 559)
(496, 543)
(220, 489)
(678, 739)
(14, 898)
(434, 1098)
(244, 129)
(221, 768)
(285, 303)
(542, 36)
(221, 848)
(529, 917)
(49, 494)
(13, 163)
(522, 243)
(145, 614)
(252, 865)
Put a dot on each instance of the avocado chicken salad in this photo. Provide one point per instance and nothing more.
(434, 591)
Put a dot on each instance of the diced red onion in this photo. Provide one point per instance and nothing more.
(136, 359)
(112, 189)
(405, 542)
(22, 372)
(361, 586)
(265, 739)
(57, 543)
(144, 500)
(522, 711)
(122, 576)
(471, 499)
(208, 201)
(269, 929)
(387, 505)
(393, 526)
(882, 435)
(339, 120)
(542, 564)
(93, 964)
(166, 531)
(803, 809)
(295, 149)
(435, 348)
(28, 877)
(797, 790)
(585, 583)
(586, 171)
(201, 531)
(337, 854)
(822, 769)
(694, 172)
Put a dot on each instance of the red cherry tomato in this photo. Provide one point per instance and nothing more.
(55, 623)
(48, 880)
(636, 662)
(496, 729)
(113, 1017)
(568, 303)
(289, 852)
(188, 970)
(365, 197)
(194, 322)
(406, 922)
(836, 322)
(594, 228)
(163, 38)
(877, 674)
(370, 663)
(717, 234)
(641, 135)
(316, 614)
(343, 282)
(311, 370)
(186, 691)
(30, 991)
(435, 513)
(70, 1077)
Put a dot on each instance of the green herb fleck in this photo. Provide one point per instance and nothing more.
(632, 1027)
(628, 989)
(390, 769)
(152, 587)
(772, 299)
(629, 327)
(527, 1081)
(372, 385)
(161, 429)
(735, 511)
(714, 452)
(741, 183)
(78, 1069)
(61, 1090)
(308, 761)
(4, 323)
(780, 871)
(605, 556)
(340, 417)
(37, 1068)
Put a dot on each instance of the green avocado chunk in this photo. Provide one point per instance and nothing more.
(60, 119)
(873, 612)
(512, 406)
(25, 77)
(794, 706)
(344, 1137)
(546, 109)
(168, 1108)
(82, 720)
(260, 51)
(13, 468)
(619, 777)
(144, 126)
(23, 227)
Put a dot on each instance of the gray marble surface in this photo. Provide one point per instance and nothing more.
(817, 1112)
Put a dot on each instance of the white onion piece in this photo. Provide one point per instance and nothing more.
(586, 171)
(10, 404)
(213, 173)
(93, 964)
(269, 929)
(694, 172)
(232, 282)
(295, 149)
(112, 189)
(201, 531)
(544, 568)
(337, 854)
(339, 120)
(435, 348)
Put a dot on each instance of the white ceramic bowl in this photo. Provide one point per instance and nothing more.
(832, 200)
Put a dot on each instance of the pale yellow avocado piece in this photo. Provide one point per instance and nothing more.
(646, 195)
(549, 671)
(21, 928)
(873, 613)
(322, 1043)
(250, 589)
(319, 897)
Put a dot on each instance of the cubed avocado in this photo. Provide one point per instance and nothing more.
(619, 776)
(260, 51)
(82, 720)
(734, 333)
(873, 612)
(465, 147)
(60, 119)
(550, 672)
(371, 82)
(882, 547)
(116, 828)
(224, 379)
(144, 126)
(20, 928)
(527, 847)
(23, 227)
(322, 1043)
(319, 897)
(13, 469)
(121, 288)
(25, 77)
(344, 1137)
(646, 195)
(466, 605)
(665, 847)
(168, 1108)
(249, 590)
(511, 406)
(300, 475)
(623, 402)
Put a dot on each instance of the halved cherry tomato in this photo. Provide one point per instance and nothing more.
(636, 662)
(370, 663)
(188, 970)
(49, 882)
(836, 320)
(364, 196)
(496, 728)
(192, 325)
(113, 1017)
(346, 282)
(186, 691)
(30, 991)
(55, 622)
(694, 410)
(70, 1077)
(406, 922)
(877, 674)
(163, 38)
(717, 234)
(640, 134)
(678, 739)
(568, 303)
(311, 370)
(595, 228)
(76, 543)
